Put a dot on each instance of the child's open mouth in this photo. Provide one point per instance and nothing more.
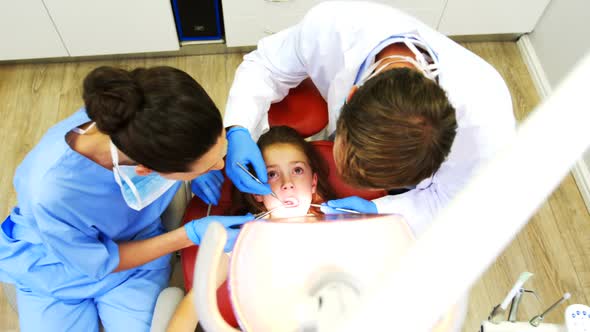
(290, 202)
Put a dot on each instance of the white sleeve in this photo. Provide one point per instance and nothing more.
(265, 76)
(417, 206)
(472, 149)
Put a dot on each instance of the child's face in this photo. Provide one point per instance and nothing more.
(291, 178)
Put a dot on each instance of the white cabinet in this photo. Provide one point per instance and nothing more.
(91, 27)
(472, 17)
(246, 21)
(27, 32)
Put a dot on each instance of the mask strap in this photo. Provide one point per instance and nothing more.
(368, 73)
(430, 69)
(400, 58)
(83, 131)
(119, 174)
(419, 56)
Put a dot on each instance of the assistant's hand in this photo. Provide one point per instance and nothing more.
(208, 186)
(195, 230)
(351, 203)
(241, 148)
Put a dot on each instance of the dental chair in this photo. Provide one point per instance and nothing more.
(305, 110)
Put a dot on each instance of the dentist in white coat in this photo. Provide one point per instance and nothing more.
(411, 110)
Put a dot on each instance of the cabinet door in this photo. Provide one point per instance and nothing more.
(91, 27)
(246, 21)
(26, 31)
(472, 17)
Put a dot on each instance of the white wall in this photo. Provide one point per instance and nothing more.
(560, 38)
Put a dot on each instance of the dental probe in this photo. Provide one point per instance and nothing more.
(256, 179)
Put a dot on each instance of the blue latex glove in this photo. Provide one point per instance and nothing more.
(241, 148)
(195, 230)
(208, 186)
(351, 203)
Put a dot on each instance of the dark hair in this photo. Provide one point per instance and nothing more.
(288, 135)
(160, 117)
(395, 131)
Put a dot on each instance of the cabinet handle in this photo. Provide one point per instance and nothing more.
(269, 32)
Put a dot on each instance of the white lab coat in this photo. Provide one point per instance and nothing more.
(330, 44)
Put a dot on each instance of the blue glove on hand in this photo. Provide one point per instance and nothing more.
(208, 186)
(350, 203)
(195, 230)
(241, 148)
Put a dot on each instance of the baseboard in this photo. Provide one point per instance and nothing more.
(534, 66)
(581, 172)
(581, 169)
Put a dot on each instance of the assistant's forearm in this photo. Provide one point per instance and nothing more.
(136, 253)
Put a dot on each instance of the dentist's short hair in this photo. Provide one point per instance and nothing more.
(160, 117)
(395, 131)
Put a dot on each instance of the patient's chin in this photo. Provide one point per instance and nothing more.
(299, 211)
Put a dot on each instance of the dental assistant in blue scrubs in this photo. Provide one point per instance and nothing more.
(85, 241)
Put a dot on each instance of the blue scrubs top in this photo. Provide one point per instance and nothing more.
(61, 238)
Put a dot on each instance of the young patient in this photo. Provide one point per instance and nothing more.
(296, 175)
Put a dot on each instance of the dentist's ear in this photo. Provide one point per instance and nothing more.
(351, 92)
(142, 170)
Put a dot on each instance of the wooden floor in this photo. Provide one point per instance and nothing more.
(555, 245)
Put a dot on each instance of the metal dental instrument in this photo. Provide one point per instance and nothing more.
(257, 180)
(537, 320)
(514, 305)
(336, 208)
(498, 314)
(264, 214)
(208, 210)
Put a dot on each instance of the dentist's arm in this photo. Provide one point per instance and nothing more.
(264, 77)
(242, 149)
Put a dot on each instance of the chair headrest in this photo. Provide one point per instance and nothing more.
(303, 109)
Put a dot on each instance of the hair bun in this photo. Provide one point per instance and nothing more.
(112, 98)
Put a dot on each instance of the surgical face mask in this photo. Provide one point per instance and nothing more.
(138, 191)
(426, 64)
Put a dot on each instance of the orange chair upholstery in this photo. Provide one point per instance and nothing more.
(303, 109)
(198, 209)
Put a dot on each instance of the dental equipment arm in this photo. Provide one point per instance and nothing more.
(498, 313)
(517, 286)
